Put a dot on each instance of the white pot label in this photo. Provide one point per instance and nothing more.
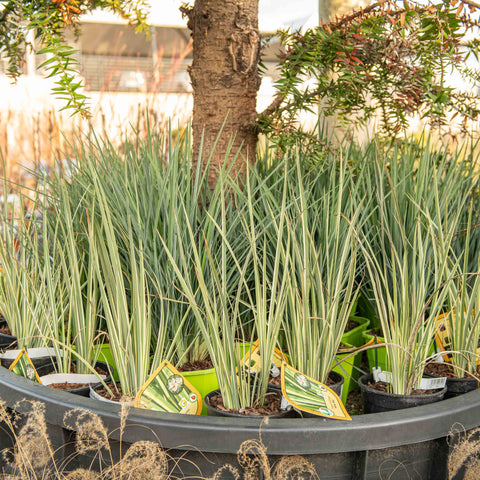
(381, 376)
(285, 405)
(433, 383)
(425, 384)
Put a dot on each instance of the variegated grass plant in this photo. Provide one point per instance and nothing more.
(462, 316)
(23, 293)
(143, 186)
(80, 283)
(398, 179)
(408, 271)
(125, 299)
(59, 313)
(234, 282)
(320, 259)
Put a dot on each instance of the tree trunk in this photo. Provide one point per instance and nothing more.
(225, 81)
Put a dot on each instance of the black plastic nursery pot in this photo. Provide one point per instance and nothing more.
(376, 401)
(398, 445)
(6, 341)
(214, 412)
(459, 386)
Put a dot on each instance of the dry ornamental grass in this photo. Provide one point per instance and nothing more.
(34, 458)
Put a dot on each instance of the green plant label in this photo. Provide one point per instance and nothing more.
(308, 395)
(252, 359)
(167, 391)
(442, 336)
(23, 366)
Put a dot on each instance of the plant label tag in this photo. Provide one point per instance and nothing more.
(442, 335)
(252, 359)
(308, 395)
(23, 366)
(433, 383)
(381, 376)
(167, 391)
(285, 405)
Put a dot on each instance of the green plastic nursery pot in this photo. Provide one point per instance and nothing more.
(400, 445)
(105, 356)
(377, 357)
(349, 368)
(204, 381)
(354, 337)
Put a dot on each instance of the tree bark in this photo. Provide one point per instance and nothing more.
(225, 81)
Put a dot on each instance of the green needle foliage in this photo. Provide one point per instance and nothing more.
(47, 20)
(391, 61)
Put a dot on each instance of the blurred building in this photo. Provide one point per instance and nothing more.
(113, 58)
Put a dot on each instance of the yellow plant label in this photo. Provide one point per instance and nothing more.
(442, 336)
(253, 361)
(166, 390)
(23, 366)
(308, 395)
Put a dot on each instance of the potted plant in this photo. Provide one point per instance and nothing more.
(407, 275)
(458, 330)
(23, 292)
(320, 263)
(125, 302)
(71, 303)
(224, 290)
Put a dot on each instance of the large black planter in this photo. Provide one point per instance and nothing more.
(397, 445)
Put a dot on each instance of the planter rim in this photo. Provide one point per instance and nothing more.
(280, 436)
(51, 378)
(37, 352)
(194, 373)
